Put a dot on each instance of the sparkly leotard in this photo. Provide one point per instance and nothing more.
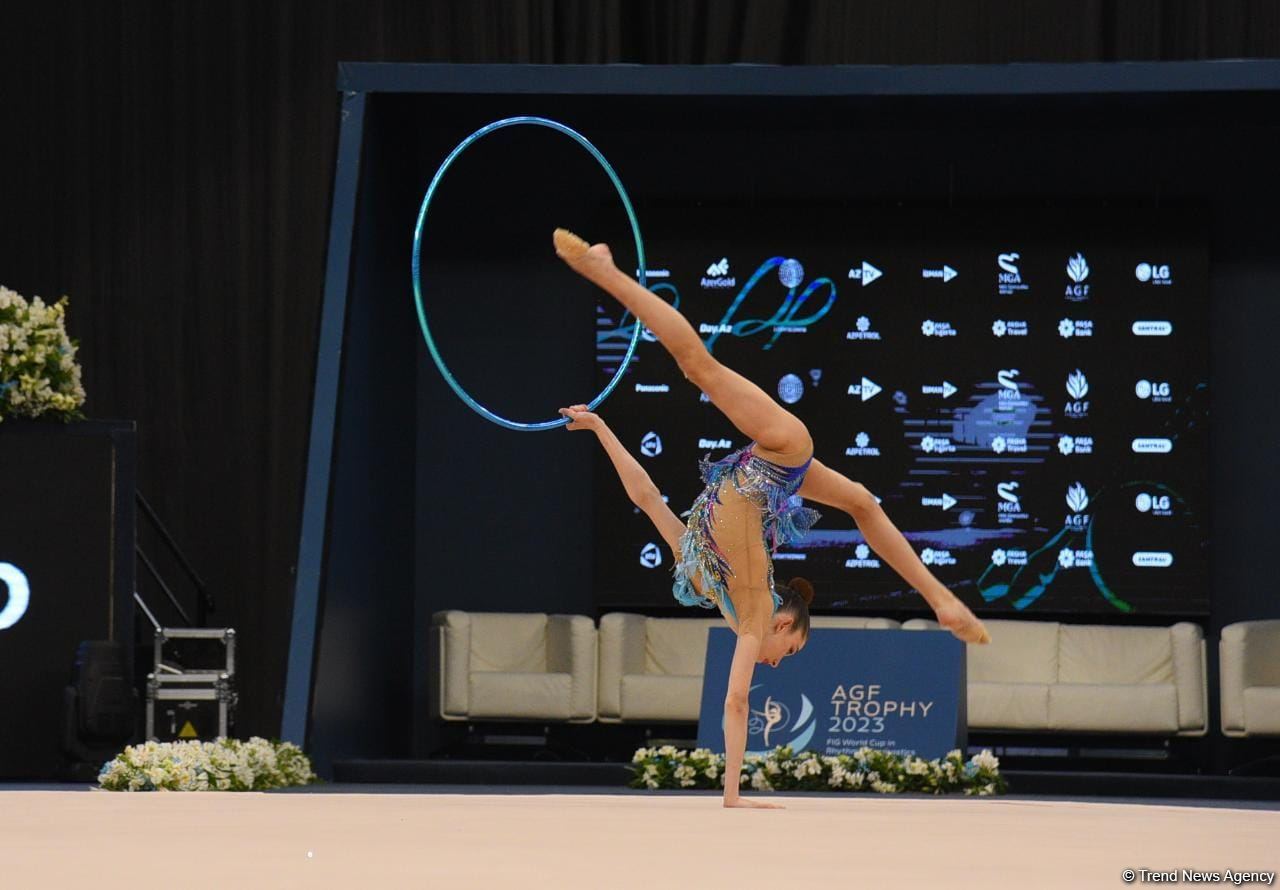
(746, 509)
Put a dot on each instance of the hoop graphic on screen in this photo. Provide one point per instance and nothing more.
(417, 277)
(19, 593)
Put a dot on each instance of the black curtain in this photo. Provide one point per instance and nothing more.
(169, 165)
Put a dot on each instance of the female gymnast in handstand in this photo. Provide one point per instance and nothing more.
(723, 552)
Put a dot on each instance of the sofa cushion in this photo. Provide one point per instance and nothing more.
(676, 646)
(1008, 705)
(1019, 652)
(646, 697)
(1262, 710)
(504, 641)
(1137, 707)
(1124, 655)
(855, 621)
(512, 695)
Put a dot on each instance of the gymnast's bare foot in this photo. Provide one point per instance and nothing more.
(592, 262)
(963, 624)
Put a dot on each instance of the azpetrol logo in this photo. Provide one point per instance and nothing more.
(651, 444)
(862, 447)
(19, 591)
(862, 559)
(862, 330)
(784, 319)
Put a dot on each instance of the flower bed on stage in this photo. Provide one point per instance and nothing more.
(781, 769)
(224, 765)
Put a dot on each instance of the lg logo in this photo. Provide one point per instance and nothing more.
(19, 590)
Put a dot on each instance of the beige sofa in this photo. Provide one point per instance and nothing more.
(651, 668)
(1249, 674)
(514, 666)
(1046, 676)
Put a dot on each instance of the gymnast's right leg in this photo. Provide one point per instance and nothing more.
(780, 436)
(828, 486)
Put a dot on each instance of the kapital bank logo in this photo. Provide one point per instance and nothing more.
(19, 594)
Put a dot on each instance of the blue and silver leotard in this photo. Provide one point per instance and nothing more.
(769, 488)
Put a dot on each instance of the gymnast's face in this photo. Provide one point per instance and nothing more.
(783, 641)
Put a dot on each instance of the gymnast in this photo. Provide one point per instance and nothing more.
(723, 553)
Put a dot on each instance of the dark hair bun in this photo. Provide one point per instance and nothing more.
(802, 587)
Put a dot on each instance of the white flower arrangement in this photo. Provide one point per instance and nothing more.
(39, 374)
(781, 769)
(224, 765)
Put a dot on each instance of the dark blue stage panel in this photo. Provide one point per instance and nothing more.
(890, 690)
(66, 572)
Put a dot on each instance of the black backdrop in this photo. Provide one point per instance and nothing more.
(169, 167)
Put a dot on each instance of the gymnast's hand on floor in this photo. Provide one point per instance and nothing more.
(580, 418)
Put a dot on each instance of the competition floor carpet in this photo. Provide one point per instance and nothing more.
(374, 837)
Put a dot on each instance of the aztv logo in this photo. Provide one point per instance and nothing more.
(19, 595)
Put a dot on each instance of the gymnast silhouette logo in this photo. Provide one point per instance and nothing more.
(19, 595)
(772, 723)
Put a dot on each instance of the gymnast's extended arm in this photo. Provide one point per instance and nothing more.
(635, 480)
(640, 488)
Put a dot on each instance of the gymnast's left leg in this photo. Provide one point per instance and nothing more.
(779, 435)
(826, 486)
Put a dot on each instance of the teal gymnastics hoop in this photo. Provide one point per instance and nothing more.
(417, 266)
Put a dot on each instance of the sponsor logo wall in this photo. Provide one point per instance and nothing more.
(1027, 401)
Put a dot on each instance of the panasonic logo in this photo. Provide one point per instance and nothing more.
(652, 387)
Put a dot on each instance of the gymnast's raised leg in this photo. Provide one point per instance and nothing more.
(779, 435)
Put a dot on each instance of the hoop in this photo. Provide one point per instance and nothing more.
(417, 276)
